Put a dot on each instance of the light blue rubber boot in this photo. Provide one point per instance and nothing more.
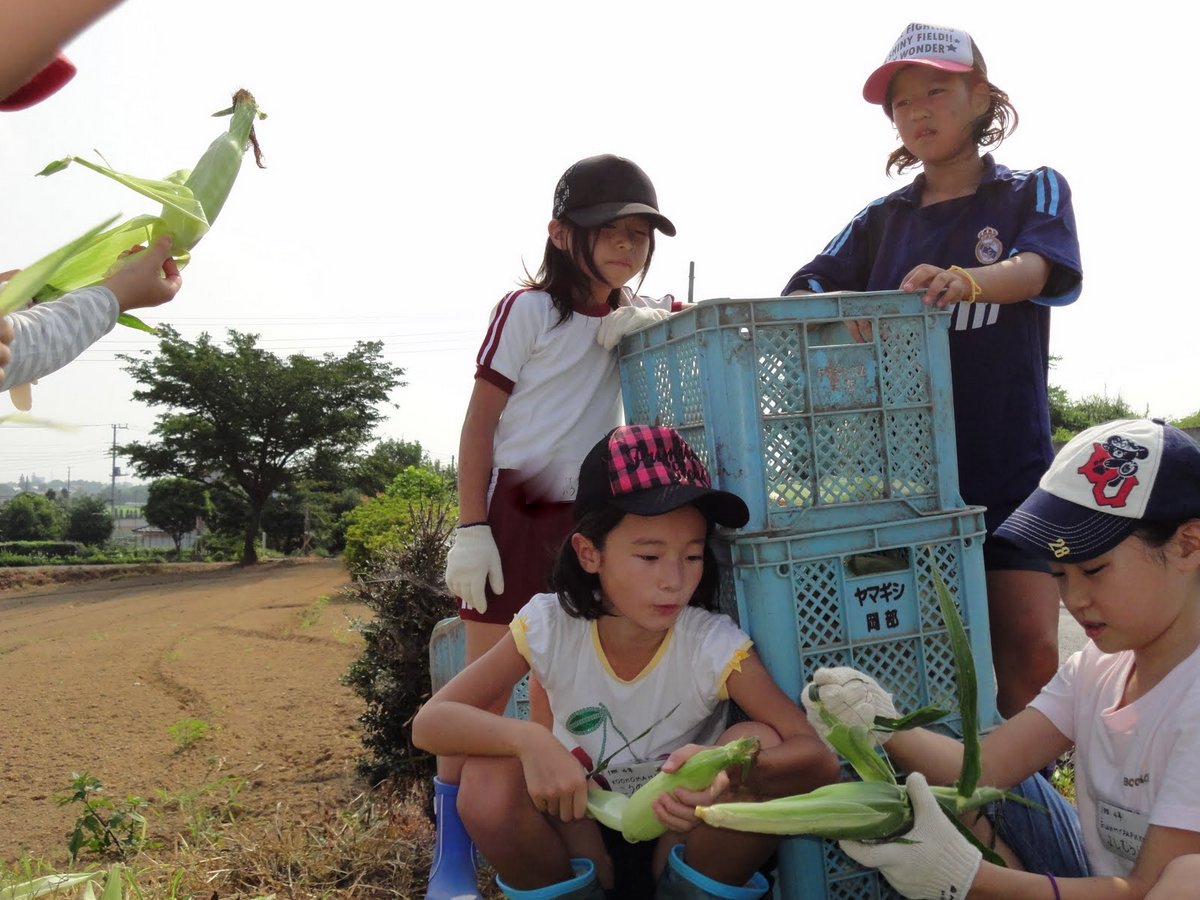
(452, 875)
(583, 886)
(680, 881)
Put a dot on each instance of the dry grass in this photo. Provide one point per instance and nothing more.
(379, 845)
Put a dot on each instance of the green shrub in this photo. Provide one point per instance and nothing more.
(403, 587)
(384, 524)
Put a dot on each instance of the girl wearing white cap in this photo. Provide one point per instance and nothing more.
(997, 246)
(1117, 519)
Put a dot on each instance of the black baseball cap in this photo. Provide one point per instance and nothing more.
(598, 189)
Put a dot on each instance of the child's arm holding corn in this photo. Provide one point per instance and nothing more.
(1009, 754)
(50, 335)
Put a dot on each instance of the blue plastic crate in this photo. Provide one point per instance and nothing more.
(448, 656)
(862, 597)
(812, 429)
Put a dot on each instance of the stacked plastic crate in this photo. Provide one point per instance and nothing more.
(844, 451)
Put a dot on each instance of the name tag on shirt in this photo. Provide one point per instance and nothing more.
(627, 779)
(1121, 830)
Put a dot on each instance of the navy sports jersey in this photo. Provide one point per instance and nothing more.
(999, 354)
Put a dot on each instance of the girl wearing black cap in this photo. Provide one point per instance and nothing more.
(546, 389)
(638, 671)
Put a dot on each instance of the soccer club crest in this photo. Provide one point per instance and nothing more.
(989, 247)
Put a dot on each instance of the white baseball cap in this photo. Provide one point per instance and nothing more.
(1105, 483)
(949, 49)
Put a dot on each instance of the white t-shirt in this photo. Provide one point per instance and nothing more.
(596, 712)
(564, 388)
(1134, 766)
(50, 335)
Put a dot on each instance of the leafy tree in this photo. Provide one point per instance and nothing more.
(250, 422)
(173, 505)
(1069, 417)
(1192, 421)
(89, 521)
(387, 521)
(30, 517)
(386, 460)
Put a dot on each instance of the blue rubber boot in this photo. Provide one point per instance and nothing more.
(452, 875)
(583, 886)
(680, 881)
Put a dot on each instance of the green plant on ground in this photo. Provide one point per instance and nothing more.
(107, 827)
(312, 613)
(206, 808)
(187, 732)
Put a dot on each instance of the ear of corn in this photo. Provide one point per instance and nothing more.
(858, 810)
(189, 204)
(876, 808)
(637, 821)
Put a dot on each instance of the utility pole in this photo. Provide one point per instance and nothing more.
(112, 501)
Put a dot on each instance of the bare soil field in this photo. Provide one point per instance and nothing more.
(99, 668)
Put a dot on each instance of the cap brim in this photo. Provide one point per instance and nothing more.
(1058, 529)
(50, 79)
(875, 90)
(602, 213)
(721, 507)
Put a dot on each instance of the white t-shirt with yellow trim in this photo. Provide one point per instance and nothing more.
(679, 698)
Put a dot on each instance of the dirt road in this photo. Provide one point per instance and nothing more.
(94, 676)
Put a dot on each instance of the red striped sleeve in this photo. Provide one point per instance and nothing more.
(491, 340)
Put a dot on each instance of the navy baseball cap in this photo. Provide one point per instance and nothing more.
(649, 470)
(1105, 483)
(599, 189)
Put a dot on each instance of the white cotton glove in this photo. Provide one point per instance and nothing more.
(472, 560)
(625, 319)
(932, 861)
(850, 696)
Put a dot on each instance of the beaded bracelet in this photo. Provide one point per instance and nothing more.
(1054, 884)
(976, 290)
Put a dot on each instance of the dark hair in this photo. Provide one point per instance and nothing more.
(579, 591)
(1156, 536)
(990, 129)
(564, 276)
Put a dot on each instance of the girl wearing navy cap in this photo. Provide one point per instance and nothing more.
(638, 671)
(1117, 520)
(997, 246)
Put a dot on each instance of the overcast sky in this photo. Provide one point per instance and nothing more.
(412, 151)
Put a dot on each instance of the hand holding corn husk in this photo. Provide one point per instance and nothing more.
(933, 861)
(849, 696)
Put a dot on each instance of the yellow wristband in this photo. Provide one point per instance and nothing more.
(976, 290)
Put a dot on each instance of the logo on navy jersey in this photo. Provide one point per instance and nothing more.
(1112, 470)
(989, 248)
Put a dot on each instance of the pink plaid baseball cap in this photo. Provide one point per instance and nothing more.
(1103, 485)
(649, 470)
(949, 49)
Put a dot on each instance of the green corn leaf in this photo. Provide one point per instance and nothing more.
(172, 195)
(919, 718)
(90, 264)
(112, 887)
(853, 742)
(968, 687)
(24, 285)
(47, 884)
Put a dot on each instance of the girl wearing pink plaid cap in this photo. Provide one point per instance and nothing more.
(640, 673)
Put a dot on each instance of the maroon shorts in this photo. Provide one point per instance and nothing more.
(528, 536)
